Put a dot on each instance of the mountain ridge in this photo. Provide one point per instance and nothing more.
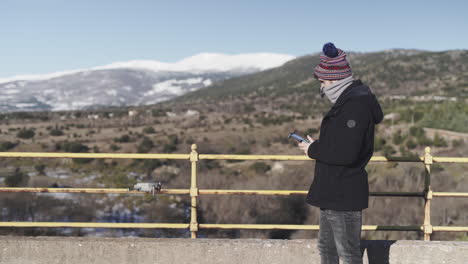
(393, 72)
(128, 83)
(196, 63)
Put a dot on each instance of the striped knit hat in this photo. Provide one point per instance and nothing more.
(333, 64)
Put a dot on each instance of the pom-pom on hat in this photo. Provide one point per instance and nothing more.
(333, 64)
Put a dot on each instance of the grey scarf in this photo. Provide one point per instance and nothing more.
(334, 90)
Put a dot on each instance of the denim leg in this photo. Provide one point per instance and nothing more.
(326, 241)
(346, 226)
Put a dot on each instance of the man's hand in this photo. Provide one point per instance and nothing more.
(304, 145)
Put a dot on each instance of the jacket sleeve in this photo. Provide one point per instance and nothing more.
(344, 136)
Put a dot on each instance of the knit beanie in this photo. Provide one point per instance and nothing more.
(333, 64)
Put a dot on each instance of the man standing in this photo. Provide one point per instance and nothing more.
(345, 146)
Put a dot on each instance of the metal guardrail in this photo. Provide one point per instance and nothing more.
(428, 194)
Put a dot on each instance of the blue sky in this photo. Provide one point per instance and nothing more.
(55, 35)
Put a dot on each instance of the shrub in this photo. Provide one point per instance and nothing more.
(379, 143)
(40, 168)
(26, 134)
(6, 145)
(398, 138)
(212, 164)
(410, 144)
(457, 143)
(260, 167)
(145, 145)
(248, 108)
(119, 180)
(56, 132)
(74, 147)
(150, 165)
(439, 141)
(274, 120)
(96, 149)
(388, 151)
(407, 153)
(158, 112)
(17, 178)
(122, 139)
(171, 145)
(417, 131)
(149, 130)
(243, 150)
(114, 147)
(424, 141)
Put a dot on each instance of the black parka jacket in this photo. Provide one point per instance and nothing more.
(344, 148)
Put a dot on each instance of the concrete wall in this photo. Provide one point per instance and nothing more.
(72, 250)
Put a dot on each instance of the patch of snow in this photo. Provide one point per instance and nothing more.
(11, 91)
(59, 174)
(205, 62)
(63, 196)
(190, 81)
(25, 105)
(112, 92)
(207, 82)
(62, 107)
(81, 103)
(191, 112)
(48, 91)
(222, 62)
(173, 86)
(38, 77)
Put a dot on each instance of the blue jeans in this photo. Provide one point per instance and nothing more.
(340, 236)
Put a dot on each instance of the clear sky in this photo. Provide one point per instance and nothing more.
(43, 36)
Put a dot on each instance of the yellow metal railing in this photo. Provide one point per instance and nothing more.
(428, 194)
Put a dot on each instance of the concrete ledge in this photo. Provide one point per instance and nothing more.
(72, 250)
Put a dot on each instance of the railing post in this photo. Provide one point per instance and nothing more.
(428, 195)
(193, 192)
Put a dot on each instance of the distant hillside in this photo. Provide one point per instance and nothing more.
(129, 83)
(392, 72)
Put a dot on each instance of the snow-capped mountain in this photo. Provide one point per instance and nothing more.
(128, 83)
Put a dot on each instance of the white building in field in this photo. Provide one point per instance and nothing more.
(132, 113)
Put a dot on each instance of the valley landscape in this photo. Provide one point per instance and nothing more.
(247, 110)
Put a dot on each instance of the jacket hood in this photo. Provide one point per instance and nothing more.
(357, 89)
